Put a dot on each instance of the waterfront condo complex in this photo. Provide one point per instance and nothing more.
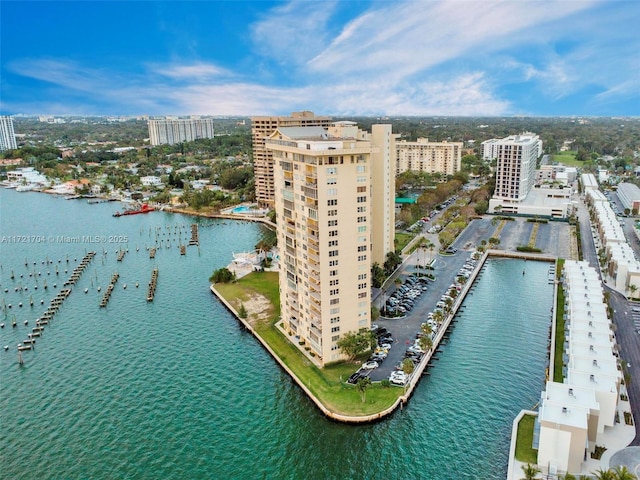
(169, 131)
(429, 157)
(7, 135)
(261, 128)
(330, 228)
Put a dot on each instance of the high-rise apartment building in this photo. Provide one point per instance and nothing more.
(261, 128)
(428, 157)
(517, 157)
(7, 135)
(169, 131)
(325, 181)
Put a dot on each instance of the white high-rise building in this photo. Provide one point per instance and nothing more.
(169, 131)
(517, 157)
(7, 135)
(324, 181)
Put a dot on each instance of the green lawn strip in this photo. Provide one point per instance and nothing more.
(524, 451)
(534, 234)
(559, 347)
(402, 240)
(568, 158)
(324, 383)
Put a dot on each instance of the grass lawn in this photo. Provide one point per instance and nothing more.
(557, 354)
(524, 451)
(567, 158)
(402, 239)
(327, 384)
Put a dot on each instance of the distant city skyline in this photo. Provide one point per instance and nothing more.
(369, 58)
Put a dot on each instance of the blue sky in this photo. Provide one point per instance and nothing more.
(473, 58)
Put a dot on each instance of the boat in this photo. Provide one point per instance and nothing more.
(144, 208)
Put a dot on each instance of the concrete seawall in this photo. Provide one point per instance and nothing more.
(420, 368)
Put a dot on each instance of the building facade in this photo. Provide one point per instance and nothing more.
(169, 131)
(517, 158)
(428, 157)
(324, 180)
(261, 128)
(7, 134)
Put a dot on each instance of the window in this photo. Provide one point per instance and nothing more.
(334, 311)
(332, 170)
(333, 273)
(362, 179)
(362, 219)
(332, 181)
(362, 286)
(361, 168)
(334, 301)
(333, 202)
(333, 243)
(335, 338)
(334, 282)
(362, 189)
(362, 209)
(332, 192)
(362, 229)
(334, 291)
(335, 319)
(362, 248)
(333, 233)
(335, 329)
(332, 213)
(362, 258)
(333, 263)
(360, 199)
(333, 253)
(332, 223)
(362, 294)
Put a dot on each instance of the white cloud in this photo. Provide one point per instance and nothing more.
(292, 32)
(196, 71)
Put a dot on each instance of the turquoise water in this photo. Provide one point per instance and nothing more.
(241, 209)
(174, 389)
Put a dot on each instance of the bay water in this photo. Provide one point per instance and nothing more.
(175, 389)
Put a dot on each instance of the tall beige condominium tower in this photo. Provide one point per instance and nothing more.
(429, 157)
(324, 180)
(262, 127)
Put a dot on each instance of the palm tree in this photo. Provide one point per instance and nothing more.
(426, 329)
(604, 474)
(622, 473)
(530, 471)
(426, 343)
(568, 476)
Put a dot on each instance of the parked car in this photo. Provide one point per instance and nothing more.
(369, 365)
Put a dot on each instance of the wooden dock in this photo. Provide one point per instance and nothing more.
(151, 291)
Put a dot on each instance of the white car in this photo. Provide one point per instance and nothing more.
(369, 365)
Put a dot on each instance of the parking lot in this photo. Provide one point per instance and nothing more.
(402, 330)
(552, 237)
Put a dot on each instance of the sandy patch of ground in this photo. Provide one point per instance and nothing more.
(258, 308)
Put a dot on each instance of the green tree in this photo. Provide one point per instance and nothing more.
(353, 344)
(567, 476)
(242, 311)
(622, 473)
(426, 343)
(408, 366)
(530, 471)
(362, 385)
(604, 474)
(222, 275)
